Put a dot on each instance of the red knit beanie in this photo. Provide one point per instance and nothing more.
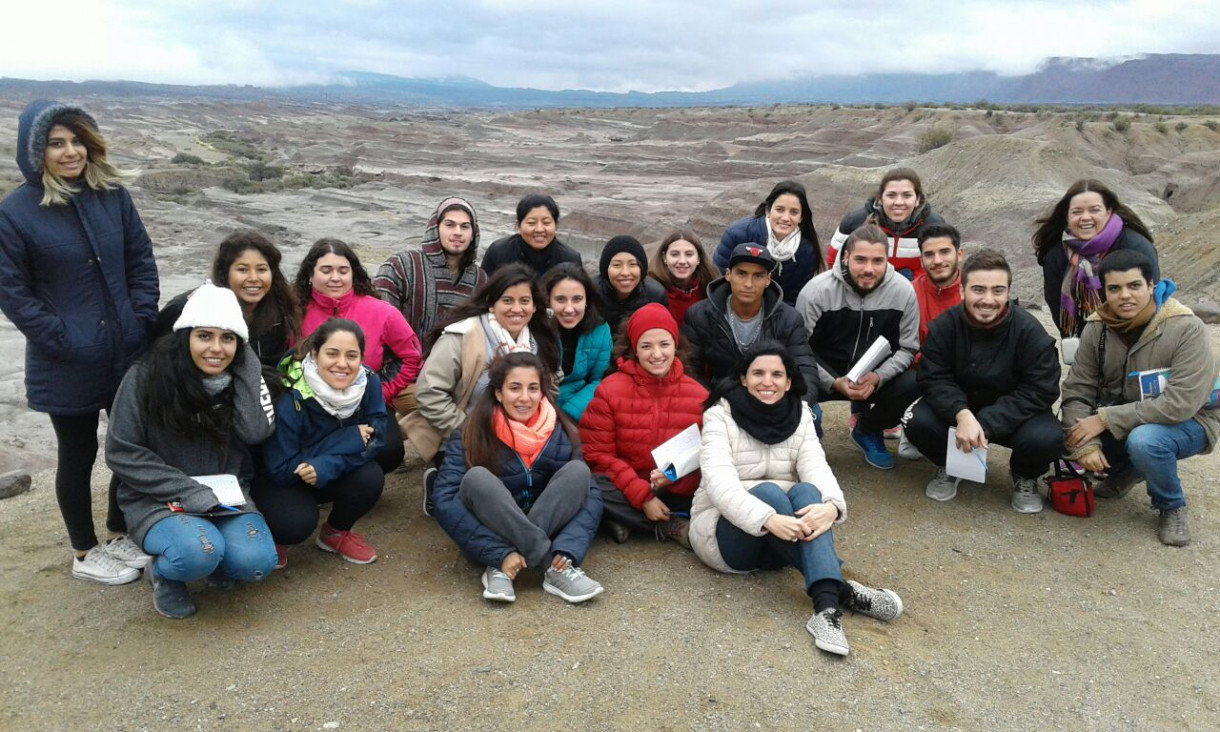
(652, 315)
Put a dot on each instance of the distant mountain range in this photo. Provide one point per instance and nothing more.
(1163, 79)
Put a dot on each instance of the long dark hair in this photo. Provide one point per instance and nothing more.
(280, 304)
(481, 302)
(174, 397)
(479, 440)
(797, 387)
(703, 274)
(593, 300)
(808, 233)
(1051, 225)
(362, 284)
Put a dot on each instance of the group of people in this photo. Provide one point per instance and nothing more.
(536, 394)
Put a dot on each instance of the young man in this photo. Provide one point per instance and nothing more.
(939, 287)
(845, 310)
(991, 370)
(1141, 394)
(741, 308)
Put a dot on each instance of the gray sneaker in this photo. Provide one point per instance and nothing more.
(571, 583)
(497, 587)
(126, 551)
(1025, 496)
(1117, 485)
(1173, 529)
(101, 566)
(879, 603)
(826, 628)
(906, 450)
(942, 487)
(170, 597)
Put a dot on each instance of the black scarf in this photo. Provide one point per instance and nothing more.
(770, 424)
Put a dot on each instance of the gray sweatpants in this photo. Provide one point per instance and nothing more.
(485, 496)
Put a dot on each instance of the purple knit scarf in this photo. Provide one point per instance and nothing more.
(1080, 293)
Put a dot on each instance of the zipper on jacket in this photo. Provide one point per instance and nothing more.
(527, 494)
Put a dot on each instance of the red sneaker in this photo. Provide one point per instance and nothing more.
(281, 556)
(347, 544)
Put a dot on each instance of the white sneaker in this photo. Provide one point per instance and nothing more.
(906, 450)
(126, 551)
(100, 566)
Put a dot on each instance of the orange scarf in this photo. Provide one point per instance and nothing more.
(526, 438)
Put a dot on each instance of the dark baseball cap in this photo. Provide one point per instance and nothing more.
(754, 253)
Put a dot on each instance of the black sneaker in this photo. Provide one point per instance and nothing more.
(170, 597)
(429, 486)
(1173, 529)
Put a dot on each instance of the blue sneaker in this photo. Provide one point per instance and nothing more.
(873, 447)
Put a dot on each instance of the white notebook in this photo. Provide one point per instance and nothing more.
(679, 455)
(872, 358)
(965, 465)
(224, 486)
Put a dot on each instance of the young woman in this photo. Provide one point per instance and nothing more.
(249, 265)
(503, 316)
(783, 222)
(682, 267)
(182, 419)
(648, 400)
(425, 284)
(330, 428)
(622, 283)
(584, 337)
(534, 244)
(513, 491)
(1085, 225)
(767, 498)
(332, 283)
(901, 210)
(78, 279)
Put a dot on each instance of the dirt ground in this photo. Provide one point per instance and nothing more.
(1012, 622)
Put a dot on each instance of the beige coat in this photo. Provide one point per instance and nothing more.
(733, 462)
(445, 385)
(1174, 339)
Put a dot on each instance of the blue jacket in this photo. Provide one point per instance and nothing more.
(78, 280)
(482, 544)
(791, 275)
(307, 433)
(592, 359)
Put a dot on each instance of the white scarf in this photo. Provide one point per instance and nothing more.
(505, 343)
(782, 250)
(341, 404)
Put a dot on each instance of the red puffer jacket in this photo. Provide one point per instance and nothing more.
(631, 413)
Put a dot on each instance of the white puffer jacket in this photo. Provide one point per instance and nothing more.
(733, 462)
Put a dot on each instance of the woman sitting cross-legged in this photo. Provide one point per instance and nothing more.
(330, 428)
(181, 421)
(768, 499)
(513, 492)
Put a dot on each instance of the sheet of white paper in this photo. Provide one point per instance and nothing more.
(872, 358)
(224, 486)
(679, 455)
(965, 465)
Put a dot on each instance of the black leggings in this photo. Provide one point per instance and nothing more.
(76, 436)
(292, 511)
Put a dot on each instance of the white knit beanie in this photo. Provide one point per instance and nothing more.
(213, 307)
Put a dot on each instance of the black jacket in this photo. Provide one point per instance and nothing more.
(1004, 375)
(514, 249)
(617, 311)
(714, 351)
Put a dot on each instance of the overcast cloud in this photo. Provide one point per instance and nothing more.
(617, 45)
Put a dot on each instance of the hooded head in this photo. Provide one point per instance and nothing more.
(35, 122)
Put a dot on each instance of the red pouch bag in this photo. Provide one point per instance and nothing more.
(1070, 493)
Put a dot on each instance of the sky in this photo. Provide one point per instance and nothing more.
(616, 45)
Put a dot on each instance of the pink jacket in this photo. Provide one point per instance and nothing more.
(384, 328)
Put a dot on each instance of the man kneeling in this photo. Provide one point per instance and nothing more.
(1141, 394)
(989, 369)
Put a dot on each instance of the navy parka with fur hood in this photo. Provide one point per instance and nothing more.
(484, 545)
(78, 280)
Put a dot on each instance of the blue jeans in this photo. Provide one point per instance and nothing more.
(745, 552)
(188, 548)
(1154, 451)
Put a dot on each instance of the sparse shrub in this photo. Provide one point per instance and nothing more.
(1080, 125)
(878, 105)
(910, 106)
(1112, 116)
(988, 114)
(934, 138)
(1121, 124)
(1181, 127)
(1212, 125)
(186, 159)
(258, 170)
(1162, 128)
